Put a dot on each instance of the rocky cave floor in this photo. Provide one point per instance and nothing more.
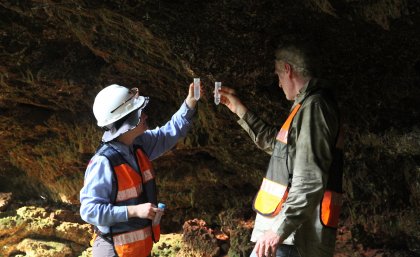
(42, 229)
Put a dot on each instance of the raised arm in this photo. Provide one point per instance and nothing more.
(157, 141)
(261, 133)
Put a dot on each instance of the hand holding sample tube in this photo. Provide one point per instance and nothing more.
(194, 93)
(231, 100)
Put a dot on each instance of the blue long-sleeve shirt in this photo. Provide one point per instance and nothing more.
(95, 195)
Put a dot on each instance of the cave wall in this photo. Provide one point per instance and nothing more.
(55, 57)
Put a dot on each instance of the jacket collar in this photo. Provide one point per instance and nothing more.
(310, 86)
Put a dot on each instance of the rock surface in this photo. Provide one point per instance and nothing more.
(38, 232)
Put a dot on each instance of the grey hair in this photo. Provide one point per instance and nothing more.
(296, 57)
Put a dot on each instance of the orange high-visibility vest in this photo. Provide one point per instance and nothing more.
(271, 195)
(135, 237)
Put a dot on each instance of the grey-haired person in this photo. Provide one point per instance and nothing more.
(298, 203)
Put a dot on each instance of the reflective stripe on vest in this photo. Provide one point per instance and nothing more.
(136, 243)
(129, 182)
(132, 236)
(146, 166)
(273, 188)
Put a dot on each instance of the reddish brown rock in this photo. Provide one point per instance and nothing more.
(5, 200)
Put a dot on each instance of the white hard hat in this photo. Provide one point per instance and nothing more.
(114, 103)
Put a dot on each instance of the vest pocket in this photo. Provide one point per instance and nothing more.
(270, 198)
(330, 208)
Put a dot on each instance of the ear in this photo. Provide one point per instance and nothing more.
(288, 69)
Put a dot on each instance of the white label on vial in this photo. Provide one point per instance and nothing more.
(196, 88)
(217, 87)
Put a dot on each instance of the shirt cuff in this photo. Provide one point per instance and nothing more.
(283, 228)
(246, 120)
(120, 213)
(186, 111)
(245, 117)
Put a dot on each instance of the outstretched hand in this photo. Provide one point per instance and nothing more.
(229, 98)
(190, 100)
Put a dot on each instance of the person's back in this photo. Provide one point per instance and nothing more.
(119, 193)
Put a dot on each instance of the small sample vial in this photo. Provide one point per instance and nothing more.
(217, 87)
(196, 88)
(158, 215)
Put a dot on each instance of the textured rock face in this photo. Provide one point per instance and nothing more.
(36, 248)
(55, 57)
(5, 199)
(39, 232)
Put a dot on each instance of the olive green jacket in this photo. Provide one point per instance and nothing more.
(308, 155)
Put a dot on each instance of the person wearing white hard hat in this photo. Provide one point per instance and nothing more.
(119, 192)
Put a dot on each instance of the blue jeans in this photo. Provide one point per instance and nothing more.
(283, 251)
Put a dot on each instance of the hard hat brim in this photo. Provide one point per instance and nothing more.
(123, 110)
(130, 123)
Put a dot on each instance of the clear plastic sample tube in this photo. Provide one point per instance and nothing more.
(196, 88)
(158, 215)
(217, 87)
